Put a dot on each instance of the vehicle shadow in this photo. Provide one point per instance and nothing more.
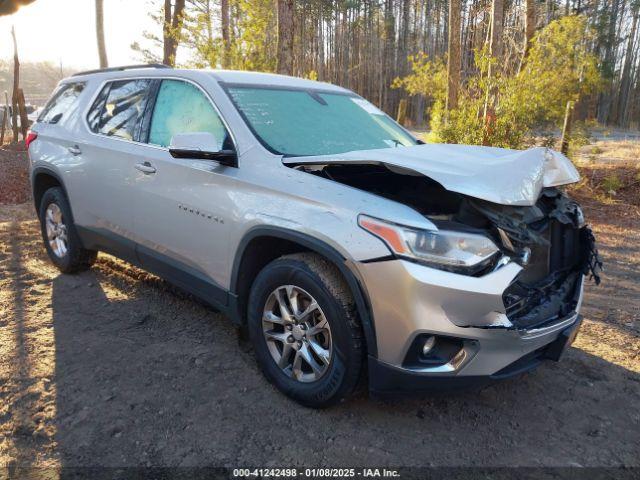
(24, 393)
(144, 378)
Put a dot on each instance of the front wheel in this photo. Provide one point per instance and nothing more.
(59, 234)
(305, 330)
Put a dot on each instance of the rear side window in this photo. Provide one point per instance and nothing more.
(119, 108)
(63, 103)
(182, 108)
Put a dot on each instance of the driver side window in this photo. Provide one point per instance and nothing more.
(182, 108)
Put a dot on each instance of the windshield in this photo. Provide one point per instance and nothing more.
(307, 122)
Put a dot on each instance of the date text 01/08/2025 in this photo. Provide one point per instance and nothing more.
(314, 473)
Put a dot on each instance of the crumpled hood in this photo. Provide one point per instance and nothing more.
(507, 177)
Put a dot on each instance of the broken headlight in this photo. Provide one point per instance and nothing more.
(460, 252)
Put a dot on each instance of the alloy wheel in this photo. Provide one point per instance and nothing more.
(297, 333)
(56, 230)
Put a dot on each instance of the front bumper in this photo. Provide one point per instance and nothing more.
(384, 378)
(408, 300)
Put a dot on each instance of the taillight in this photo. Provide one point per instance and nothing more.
(31, 136)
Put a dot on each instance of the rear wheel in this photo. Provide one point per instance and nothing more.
(60, 236)
(305, 331)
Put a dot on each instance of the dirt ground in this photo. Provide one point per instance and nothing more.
(114, 367)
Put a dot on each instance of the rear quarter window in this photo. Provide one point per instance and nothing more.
(63, 103)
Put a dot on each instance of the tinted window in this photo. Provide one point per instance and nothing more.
(96, 109)
(120, 105)
(64, 101)
(182, 108)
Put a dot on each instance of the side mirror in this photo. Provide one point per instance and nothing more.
(201, 146)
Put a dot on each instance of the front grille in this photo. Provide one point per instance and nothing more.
(545, 289)
(561, 253)
(529, 307)
(565, 251)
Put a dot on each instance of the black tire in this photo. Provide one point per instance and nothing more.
(325, 284)
(77, 258)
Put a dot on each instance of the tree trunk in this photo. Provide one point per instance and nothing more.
(6, 108)
(495, 50)
(608, 63)
(3, 123)
(404, 38)
(625, 81)
(402, 112)
(388, 55)
(24, 119)
(171, 30)
(566, 129)
(102, 49)
(166, 33)
(16, 86)
(497, 16)
(226, 38)
(529, 28)
(285, 37)
(453, 62)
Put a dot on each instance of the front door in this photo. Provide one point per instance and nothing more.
(181, 206)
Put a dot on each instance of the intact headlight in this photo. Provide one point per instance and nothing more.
(444, 249)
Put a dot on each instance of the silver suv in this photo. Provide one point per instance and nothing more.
(313, 220)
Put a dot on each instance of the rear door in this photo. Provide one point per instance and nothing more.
(57, 135)
(181, 205)
(111, 155)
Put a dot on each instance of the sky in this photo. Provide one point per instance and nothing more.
(64, 31)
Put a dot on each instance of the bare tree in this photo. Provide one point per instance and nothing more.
(495, 50)
(102, 49)
(625, 81)
(171, 30)
(364, 45)
(226, 38)
(388, 52)
(285, 37)
(453, 62)
(16, 86)
(497, 16)
(530, 21)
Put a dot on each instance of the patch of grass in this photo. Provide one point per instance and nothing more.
(611, 184)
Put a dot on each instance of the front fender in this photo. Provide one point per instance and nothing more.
(344, 265)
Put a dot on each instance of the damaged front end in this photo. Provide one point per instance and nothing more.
(548, 239)
(554, 247)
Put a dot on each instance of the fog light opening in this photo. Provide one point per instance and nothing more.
(428, 345)
(429, 351)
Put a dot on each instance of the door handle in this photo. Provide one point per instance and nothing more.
(75, 150)
(145, 167)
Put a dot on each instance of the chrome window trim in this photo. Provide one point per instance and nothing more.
(93, 98)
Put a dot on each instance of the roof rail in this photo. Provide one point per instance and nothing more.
(122, 68)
